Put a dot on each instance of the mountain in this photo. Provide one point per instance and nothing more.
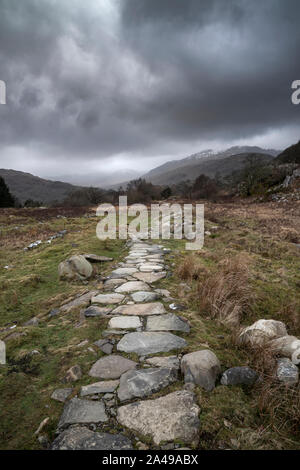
(105, 179)
(26, 186)
(209, 163)
(290, 155)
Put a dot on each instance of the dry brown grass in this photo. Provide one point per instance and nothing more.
(190, 269)
(226, 294)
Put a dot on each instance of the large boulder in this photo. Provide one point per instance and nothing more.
(262, 331)
(201, 368)
(166, 419)
(76, 267)
(81, 438)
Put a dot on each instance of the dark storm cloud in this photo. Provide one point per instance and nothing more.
(95, 79)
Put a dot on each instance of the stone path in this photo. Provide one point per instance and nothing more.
(118, 411)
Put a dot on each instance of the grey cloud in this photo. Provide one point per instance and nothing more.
(96, 80)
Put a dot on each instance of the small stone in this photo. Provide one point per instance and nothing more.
(73, 374)
(77, 411)
(124, 271)
(111, 284)
(81, 438)
(105, 386)
(239, 376)
(111, 367)
(201, 368)
(76, 267)
(108, 298)
(97, 259)
(80, 301)
(125, 322)
(2, 353)
(171, 362)
(104, 345)
(94, 311)
(287, 372)
(150, 268)
(141, 446)
(108, 396)
(61, 394)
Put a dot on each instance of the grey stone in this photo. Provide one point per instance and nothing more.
(171, 362)
(143, 296)
(201, 368)
(169, 322)
(287, 372)
(111, 367)
(150, 277)
(144, 343)
(2, 353)
(108, 298)
(132, 286)
(152, 308)
(61, 394)
(73, 374)
(169, 418)
(239, 376)
(143, 382)
(104, 345)
(80, 301)
(105, 386)
(94, 311)
(76, 267)
(77, 411)
(124, 271)
(149, 268)
(81, 438)
(126, 322)
(111, 284)
(261, 331)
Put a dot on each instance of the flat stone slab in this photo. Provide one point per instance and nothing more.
(143, 296)
(149, 268)
(132, 286)
(165, 419)
(80, 301)
(78, 411)
(171, 362)
(81, 438)
(94, 311)
(111, 367)
(169, 322)
(150, 277)
(143, 382)
(61, 394)
(124, 271)
(144, 343)
(105, 386)
(152, 308)
(125, 322)
(111, 284)
(108, 298)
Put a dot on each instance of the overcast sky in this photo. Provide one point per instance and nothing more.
(100, 84)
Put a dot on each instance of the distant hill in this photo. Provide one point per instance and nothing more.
(26, 186)
(290, 155)
(208, 163)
